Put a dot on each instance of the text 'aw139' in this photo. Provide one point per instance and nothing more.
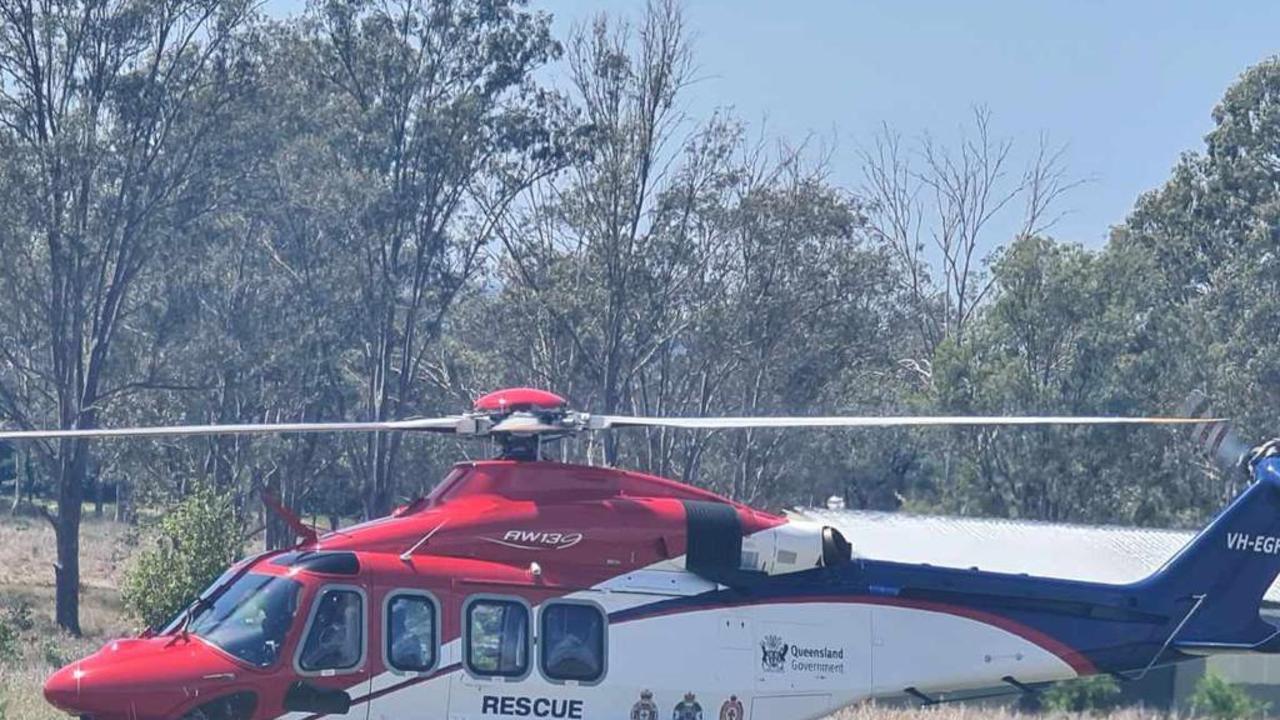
(524, 588)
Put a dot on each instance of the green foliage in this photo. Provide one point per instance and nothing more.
(9, 645)
(195, 543)
(54, 655)
(14, 621)
(1086, 695)
(18, 615)
(1216, 698)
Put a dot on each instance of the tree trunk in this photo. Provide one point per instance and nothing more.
(30, 488)
(17, 485)
(122, 486)
(67, 531)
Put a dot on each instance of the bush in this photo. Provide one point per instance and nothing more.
(1219, 699)
(196, 542)
(8, 643)
(18, 614)
(53, 654)
(1086, 695)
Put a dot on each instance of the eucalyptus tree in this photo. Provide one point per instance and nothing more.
(944, 208)
(592, 254)
(108, 112)
(1213, 234)
(441, 122)
(681, 268)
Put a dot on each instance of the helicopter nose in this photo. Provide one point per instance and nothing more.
(62, 689)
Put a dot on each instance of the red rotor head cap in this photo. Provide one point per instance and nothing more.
(519, 399)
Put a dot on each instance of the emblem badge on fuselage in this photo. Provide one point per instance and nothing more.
(645, 708)
(773, 654)
(688, 709)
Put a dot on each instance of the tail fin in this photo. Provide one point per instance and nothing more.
(1222, 575)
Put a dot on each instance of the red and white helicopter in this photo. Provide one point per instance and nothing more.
(522, 588)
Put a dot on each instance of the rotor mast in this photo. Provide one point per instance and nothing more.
(522, 419)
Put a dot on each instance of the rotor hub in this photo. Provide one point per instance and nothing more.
(521, 419)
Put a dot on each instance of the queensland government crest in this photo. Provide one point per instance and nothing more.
(773, 654)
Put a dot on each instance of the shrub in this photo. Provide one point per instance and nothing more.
(53, 653)
(9, 648)
(18, 614)
(195, 543)
(1219, 699)
(1086, 695)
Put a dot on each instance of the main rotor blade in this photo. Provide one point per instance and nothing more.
(444, 424)
(608, 421)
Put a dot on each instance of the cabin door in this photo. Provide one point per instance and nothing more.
(414, 681)
(333, 659)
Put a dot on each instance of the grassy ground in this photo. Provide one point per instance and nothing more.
(956, 712)
(26, 604)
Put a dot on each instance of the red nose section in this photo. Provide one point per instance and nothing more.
(138, 678)
(62, 689)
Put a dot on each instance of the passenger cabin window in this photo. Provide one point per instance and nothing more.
(335, 636)
(572, 642)
(411, 632)
(497, 638)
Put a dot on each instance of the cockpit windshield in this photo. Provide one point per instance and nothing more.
(250, 618)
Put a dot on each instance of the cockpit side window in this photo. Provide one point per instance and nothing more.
(497, 637)
(250, 618)
(335, 638)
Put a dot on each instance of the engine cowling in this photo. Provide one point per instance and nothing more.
(718, 550)
(794, 547)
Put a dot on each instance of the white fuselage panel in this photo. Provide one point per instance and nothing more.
(785, 661)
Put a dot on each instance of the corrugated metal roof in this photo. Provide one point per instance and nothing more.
(1078, 552)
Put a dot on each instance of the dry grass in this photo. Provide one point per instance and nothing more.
(27, 552)
(959, 712)
(26, 581)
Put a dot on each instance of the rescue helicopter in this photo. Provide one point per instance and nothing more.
(521, 587)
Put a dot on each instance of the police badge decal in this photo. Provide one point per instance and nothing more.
(688, 709)
(773, 654)
(732, 709)
(645, 708)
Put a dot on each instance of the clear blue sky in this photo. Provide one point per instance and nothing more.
(1127, 85)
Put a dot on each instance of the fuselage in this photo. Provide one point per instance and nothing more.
(541, 590)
